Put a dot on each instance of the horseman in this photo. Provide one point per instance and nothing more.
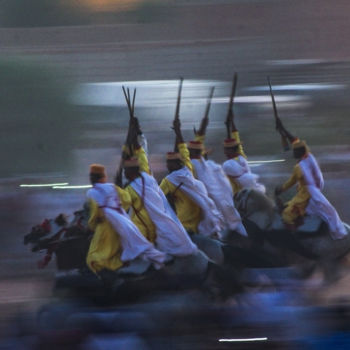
(196, 211)
(236, 166)
(116, 238)
(309, 198)
(215, 180)
(150, 211)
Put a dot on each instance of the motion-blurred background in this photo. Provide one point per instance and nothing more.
(62, 66)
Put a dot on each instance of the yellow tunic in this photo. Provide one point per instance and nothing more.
(139, 214)
(141, 155)
(235, 135)
(236, 187)
(105, 247)
(185, 155)
(200, 138)
(188, 212)
(297, 205)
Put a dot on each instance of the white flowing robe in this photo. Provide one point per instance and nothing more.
(212, 220)
(172, 238)
(318, 203)
(240, 171)
(133, 243)
(220, 191)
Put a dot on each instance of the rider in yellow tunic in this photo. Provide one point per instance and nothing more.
(297, 205)
(105, 248)
(187, 211)
(139, 214)
(116, 239)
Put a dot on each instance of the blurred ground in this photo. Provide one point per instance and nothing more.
(295, 42)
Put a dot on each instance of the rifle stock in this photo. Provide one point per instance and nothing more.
(284, 139)
(284, 143)
(118, 177)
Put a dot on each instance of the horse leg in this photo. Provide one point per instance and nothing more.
(221, 282)
(330, 270)
(255, 234)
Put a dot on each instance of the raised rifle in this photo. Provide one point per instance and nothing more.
(119, 175)
(205, 119)
(131, 108)
(177, 110)
(279, 125)
(230, 106)
(210, 97)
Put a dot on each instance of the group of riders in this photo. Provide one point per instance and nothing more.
(156, 222)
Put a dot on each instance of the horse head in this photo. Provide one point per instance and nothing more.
(37, 232)
(42, 234)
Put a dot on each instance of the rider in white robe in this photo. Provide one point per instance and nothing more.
(212, 221)
(171, 238)
(217, 184)
(309, 177)
(190, 195)
(132, 241)
(237, 168)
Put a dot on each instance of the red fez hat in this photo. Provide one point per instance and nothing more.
(228, 143)
(97, 169)
(173, 156)
(195, 145)
(131, 163)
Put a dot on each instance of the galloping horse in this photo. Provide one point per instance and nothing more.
(265, 227)
(70, 243)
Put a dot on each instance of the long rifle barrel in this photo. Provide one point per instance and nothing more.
(133, 103)
(131, 106)
(229, 115)
(273, 100)
(127, 99)
(207, 109)
(233, 92)
(284, 139)
(177, 111)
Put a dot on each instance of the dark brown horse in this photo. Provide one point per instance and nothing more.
(69, 242)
